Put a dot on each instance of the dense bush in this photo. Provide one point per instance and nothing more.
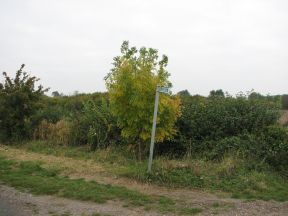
(273, 147)
(54, 109)
(269, 146)
(19, 100)
(218, 125)
(94, 126)
(215, 118)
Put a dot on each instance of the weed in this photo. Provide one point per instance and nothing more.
(216, 205)
(96, 214)
(61, 214)
(191, 211)
(166, 204)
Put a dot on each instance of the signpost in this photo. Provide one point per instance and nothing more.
(159, 90)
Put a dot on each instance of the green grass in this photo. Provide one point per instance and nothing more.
(31, 176)
(191, 211)
(97, 214)
(216, 205)
(231, 175)
(62, 214)
(234, 177)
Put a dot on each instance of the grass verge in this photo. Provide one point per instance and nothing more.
(240, 178)
(31, 176)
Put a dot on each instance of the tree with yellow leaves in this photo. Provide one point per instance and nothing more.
(131, 84)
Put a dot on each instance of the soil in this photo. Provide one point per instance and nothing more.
(17, 203)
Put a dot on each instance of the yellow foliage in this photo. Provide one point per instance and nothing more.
(132, 84)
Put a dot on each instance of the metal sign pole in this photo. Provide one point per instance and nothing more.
(153, 130)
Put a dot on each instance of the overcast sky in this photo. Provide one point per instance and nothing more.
(235, 45)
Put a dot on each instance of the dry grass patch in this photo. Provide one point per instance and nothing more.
(68, 166)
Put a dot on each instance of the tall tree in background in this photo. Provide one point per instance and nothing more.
(18, 102)
(131, 84)
(217, 93)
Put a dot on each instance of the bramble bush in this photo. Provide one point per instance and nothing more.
(218, 125)
(270, 146)
(214, 118)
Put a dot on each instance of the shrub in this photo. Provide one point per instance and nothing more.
(102, 129)
(270, 146)
(94, 126)
(217, 118)
(19, 100)
(216, 150)
(274, 147)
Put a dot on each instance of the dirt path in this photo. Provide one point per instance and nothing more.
(211, 204)
(15, 203)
